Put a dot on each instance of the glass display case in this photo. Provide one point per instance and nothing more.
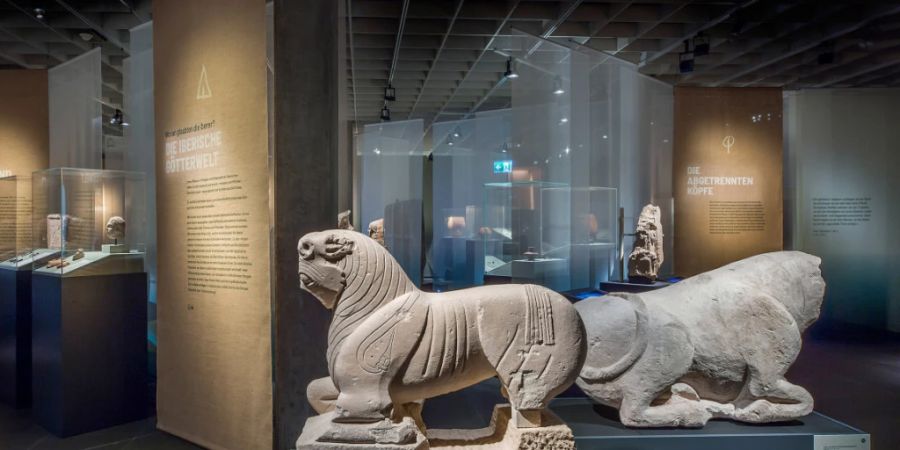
(389, 161)
(94, 220)
(580, 225)
(16, 251)
(514, 236)
(550, 233)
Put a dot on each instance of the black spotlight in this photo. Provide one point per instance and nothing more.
(390, 94)
(118, 118)
(510, 73)
(686, 59)
(701, 44)
(39, 13)
(385, 114)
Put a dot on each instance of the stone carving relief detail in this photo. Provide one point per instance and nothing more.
(647, 256)
(391, 346)
(716, 345)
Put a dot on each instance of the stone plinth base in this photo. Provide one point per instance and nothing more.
(320, 432)
(501, 434)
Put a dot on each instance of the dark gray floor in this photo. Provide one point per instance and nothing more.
(18, 432)
(854, 376)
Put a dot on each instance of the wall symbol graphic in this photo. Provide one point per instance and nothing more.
(203, 90)
(728, 142)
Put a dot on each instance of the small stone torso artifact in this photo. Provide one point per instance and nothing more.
(647, 255)
(390, 345)
(716, 345)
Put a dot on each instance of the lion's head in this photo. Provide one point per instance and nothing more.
(318, 269)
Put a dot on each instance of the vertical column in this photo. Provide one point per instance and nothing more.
(306, 188)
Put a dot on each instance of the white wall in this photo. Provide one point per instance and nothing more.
(842, 157)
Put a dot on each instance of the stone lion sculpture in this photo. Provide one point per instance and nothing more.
(716, 345)
(115, 228)
(391, 345)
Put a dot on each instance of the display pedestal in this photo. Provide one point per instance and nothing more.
(549, 272)
(465, 259)
(89, 351)
(15, 337)
(636, 288)
(598, 427)
(115, 248)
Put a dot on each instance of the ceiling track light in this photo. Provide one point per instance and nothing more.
(510, 73)
(39, 13)
(385, 114)
(701, 44)
(390, 94)
(686, 59)
(118, 118)
(558, 86)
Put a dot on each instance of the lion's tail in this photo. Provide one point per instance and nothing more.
(604, 374)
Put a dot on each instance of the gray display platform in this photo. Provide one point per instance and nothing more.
(597, 427)
(624, 286)
(15, 337)
(89, 351)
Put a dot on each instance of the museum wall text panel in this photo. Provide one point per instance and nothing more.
(214, 356)
(727, 169)
(23, 149)
(842, 158)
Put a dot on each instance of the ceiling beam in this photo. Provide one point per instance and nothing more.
(93, 25)
(140, 16)
(18, 60)
(544, 35)
(745, 27)
(403, 13)
(885, 62)
(668, 11)
(883, 78)
(755, 45)
(437, 56)
(486, 48)
(613, 11)
(873, 13)
(352, 59)
(796, 63)
(673, 44)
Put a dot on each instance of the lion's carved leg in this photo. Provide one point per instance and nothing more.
(756, 403)
(767, 396)
(413, 410)
(658, 371)
(322, 394)
(372, 357)
(678, 410)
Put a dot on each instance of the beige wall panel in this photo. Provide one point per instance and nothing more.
(727, 175)
(214, 310)
(24, 130)
(24, 148)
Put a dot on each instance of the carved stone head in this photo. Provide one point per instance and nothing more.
(319, 255)
(376, 231)
(115, 228)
